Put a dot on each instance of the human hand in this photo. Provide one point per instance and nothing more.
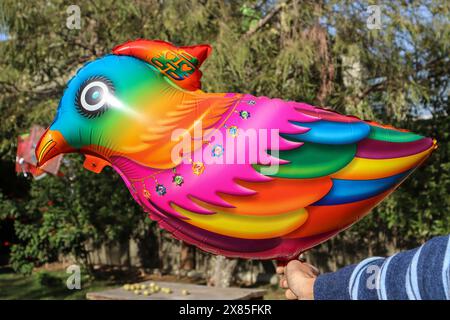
(298, 279)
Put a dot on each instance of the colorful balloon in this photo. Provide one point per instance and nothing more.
(234, 174)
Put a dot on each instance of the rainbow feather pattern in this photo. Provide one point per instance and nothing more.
(333, 170)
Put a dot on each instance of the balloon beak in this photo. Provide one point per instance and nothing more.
(51, 144)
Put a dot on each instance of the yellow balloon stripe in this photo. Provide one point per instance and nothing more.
(365, 169)
(246, 226)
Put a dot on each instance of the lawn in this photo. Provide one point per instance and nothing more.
(51, 284)
(45, 285)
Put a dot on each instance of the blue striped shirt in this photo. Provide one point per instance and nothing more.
(421, 273)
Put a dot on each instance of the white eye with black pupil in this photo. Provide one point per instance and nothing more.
(92, 97)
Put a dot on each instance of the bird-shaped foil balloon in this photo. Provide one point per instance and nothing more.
(234, 174)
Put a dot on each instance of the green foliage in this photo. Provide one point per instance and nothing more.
(318, 52)
(70, 214)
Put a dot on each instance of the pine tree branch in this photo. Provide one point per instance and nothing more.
(265, 20)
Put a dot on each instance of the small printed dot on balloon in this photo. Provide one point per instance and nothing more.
(244, 114)
(217, 150)
(160, 189)
(198, 168)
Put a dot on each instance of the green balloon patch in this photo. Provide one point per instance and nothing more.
(313, 160)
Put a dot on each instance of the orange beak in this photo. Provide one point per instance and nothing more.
(51, 144)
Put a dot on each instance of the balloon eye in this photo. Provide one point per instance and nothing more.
(92, 97)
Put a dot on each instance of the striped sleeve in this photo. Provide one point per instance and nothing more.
(421, 273)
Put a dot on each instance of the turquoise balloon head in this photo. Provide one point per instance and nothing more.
(101, 102)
